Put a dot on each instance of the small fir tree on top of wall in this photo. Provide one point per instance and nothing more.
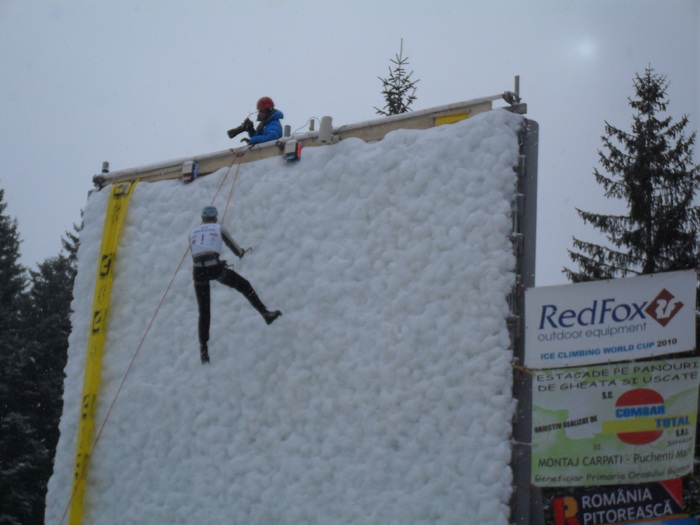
(650, 168)
(399, 89)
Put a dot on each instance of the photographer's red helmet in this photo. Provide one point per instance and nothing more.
(265, 103)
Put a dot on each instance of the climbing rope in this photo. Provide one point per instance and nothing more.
(521, 368)
(233, 184)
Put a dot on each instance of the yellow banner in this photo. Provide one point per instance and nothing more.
(648, 424)
(116, 210)
(450, 119)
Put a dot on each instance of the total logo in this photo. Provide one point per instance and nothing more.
(662, 309)
(641, 418)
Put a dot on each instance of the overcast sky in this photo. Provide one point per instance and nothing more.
(138, 82)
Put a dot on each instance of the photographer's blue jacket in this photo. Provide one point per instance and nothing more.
(272, 129)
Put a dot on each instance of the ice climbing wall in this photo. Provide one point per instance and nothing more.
(382, 395)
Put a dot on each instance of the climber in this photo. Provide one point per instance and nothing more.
(206, 243)
(269, 127)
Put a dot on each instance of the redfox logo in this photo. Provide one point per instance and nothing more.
(664, 307)
(597, 313)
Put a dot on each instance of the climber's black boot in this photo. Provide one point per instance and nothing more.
(271, 316)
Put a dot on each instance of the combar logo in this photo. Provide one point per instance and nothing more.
(637, 407)
(664, 307)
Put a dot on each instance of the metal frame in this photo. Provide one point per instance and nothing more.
(526, 502)
(367, 130)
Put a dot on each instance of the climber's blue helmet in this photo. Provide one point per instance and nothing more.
(210, 212)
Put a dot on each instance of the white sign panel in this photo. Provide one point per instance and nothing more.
(614, 424)
(608, 321)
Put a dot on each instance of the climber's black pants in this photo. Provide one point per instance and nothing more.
(219, 272)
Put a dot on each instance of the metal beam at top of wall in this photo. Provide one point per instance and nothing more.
(367, 131)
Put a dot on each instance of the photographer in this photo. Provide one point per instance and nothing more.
(269, 127)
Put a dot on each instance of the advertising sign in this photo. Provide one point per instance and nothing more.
(622, 504)
(614, 424)
(609, 321)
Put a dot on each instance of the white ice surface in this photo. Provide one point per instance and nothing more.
(383, 394)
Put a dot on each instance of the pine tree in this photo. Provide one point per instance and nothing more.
(13, 281)
(21, 453)
(399, 90)
(19, 449)
(34, 329)
(51, 294)
(650, 168)
(13, 304)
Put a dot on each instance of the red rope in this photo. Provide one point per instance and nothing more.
(230, 192)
